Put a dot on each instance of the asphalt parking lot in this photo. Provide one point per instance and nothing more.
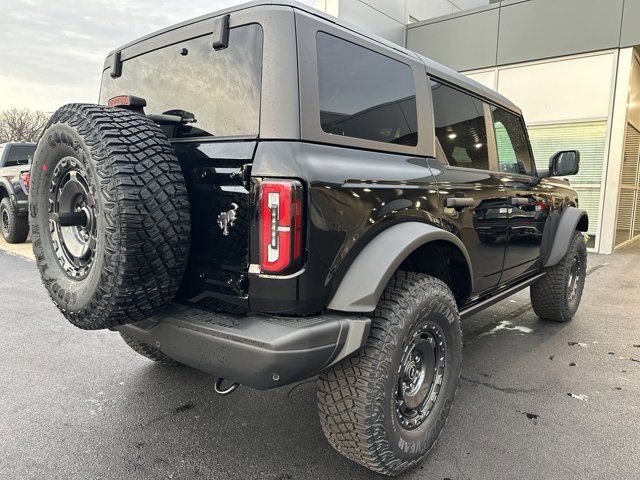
(536, 399)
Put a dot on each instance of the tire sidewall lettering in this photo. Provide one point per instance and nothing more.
(416, 442)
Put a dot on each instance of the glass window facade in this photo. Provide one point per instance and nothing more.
(590, 138)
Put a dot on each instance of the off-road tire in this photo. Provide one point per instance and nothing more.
(17, 228)
(141, 209)
(357, 397)
(551, 295)
(149, 351)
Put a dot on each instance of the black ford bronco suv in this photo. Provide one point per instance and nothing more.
(266, 194)
(15, 158)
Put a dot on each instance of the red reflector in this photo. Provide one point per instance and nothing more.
(122, 100)
(280, 219)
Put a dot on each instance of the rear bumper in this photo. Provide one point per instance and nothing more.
(259, 351)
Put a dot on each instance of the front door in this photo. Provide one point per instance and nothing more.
(471, 191)
(529, 203)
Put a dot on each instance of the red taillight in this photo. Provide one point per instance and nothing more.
(122, 100)
(127, 101)
(280, 226)
(25, 178)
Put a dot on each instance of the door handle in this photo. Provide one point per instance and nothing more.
(519, 201)
(459, 202)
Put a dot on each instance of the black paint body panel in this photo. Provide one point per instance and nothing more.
(350, 196)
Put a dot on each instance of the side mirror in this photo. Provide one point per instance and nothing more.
(563, 163)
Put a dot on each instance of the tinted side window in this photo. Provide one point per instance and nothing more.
(19, 155)
(514, 155)
(364, 94)
(460, 127)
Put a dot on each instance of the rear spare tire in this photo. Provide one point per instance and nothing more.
(109, 215)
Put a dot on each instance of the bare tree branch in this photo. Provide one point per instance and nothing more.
(21, 124)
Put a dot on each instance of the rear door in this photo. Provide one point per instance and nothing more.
(471, 191)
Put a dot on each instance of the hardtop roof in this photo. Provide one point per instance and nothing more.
(433, 68)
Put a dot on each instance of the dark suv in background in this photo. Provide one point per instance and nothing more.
(15, 159)
(266, 194)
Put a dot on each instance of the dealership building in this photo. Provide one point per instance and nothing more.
(571, 65)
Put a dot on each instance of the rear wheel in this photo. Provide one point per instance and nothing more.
(109, 215)
(557, 295)
(385, 407)
(14, 227)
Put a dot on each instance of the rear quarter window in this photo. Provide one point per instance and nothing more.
(364, 94)
(221, 88)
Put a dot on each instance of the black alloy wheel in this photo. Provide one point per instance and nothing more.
(420, 375)
(5, 222)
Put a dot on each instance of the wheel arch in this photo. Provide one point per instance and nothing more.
(414, 246)
(558, 236)
(6, 189)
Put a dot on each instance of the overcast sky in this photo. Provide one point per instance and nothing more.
(52, 51)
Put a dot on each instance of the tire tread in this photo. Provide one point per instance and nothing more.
(145, 210)
(18, 224)
(549, 294)
(348, 395)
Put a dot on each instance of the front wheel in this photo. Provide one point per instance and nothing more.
(385, 407)
(556, 296)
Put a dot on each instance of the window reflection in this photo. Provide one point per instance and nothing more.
(514, 155)
(221, 88)
(364, 94)
(460, 127)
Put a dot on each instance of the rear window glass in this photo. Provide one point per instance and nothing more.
(364, 94)
(19, 155)
(220, 88)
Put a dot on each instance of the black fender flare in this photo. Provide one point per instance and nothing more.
(559, 232)
(5, 184)
(368, 275)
